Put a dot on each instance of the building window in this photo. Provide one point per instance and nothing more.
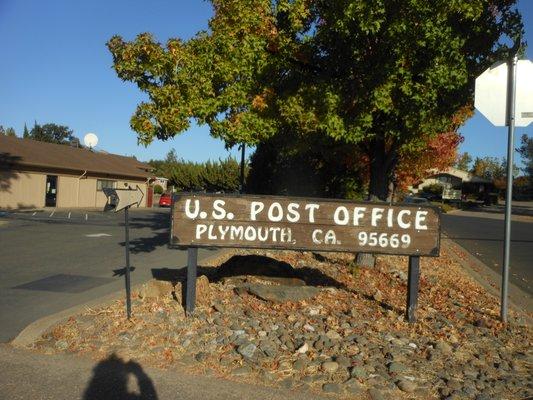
(105, 184)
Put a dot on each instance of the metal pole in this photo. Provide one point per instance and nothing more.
(128, 287)
(412, 288)
(511, 94)
(243, 147)
(192, 264)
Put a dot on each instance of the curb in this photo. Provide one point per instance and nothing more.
(491, 281)
(37, 328)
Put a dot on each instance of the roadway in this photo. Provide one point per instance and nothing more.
(52, 260)
(481, 233)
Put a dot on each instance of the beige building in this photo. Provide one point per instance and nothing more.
(37, 174)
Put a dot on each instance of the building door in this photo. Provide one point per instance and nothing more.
(51, 191)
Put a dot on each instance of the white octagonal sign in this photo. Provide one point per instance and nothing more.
(491, 93)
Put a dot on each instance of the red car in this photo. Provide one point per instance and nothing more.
(165, 200)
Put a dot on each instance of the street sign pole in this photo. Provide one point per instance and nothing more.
(511, 94)
(123, 199)
(128, 285)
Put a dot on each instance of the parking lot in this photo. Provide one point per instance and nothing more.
(52, 260)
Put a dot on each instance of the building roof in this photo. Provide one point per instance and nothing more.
(17, 152)
(463, 175)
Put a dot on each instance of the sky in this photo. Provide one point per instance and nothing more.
(56, 68)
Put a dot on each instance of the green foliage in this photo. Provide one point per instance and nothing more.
(490, 168)
(312, 165)
(354, 268)
(26, 132)
(463, 161)
(219, 176)
(434, 188)
(382, 74)
(444, 207)
(526, 152)
(53, 133)
(158, 189)
(7, 131)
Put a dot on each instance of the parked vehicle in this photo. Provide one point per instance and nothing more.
(430, 196)
(165, 200)
(416, 200)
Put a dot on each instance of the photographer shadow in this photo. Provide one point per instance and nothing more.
(111, 380)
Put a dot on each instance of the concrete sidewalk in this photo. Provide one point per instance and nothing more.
(28, 375)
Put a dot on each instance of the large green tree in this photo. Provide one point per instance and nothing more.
(53, 133)
(526, 152)
(463, 161)
(381, 74)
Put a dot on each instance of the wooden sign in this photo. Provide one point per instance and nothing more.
(266, 222)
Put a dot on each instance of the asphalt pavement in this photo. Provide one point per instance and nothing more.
(30, 375)
(482, 233)
(55, 259)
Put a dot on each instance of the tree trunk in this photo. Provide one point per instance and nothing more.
(382, 166)
(380, 171)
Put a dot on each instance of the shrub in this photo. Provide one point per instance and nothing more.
(434, 188)
(158, 189)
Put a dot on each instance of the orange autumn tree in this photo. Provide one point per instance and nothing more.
(439, 152)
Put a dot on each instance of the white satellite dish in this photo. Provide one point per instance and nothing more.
(90, 140)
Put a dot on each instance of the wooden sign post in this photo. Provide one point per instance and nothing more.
(264, 222)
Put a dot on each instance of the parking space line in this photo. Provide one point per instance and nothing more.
(51, 215)
(69, 214)
(34, 213)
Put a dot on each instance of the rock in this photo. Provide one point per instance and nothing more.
(244, 370)
(247, 350)
(454, 384)
(443, 347)
(353, 386)
(201, 356)
(358, 372)
(333, 335)
(267, 376)
(203, 291)
(287, 383)
(308, 379)
(332, 388)
(269, 347)
(396, 368)
(378, 296)
(406, 386)
(303, 349)
(330, 367)
(377, 394)
(155, 289)
(281, 293)
(300, 364)
(314, 311)
(343, 361)
(318, 345)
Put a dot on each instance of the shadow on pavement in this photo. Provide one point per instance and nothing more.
(112, 380)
